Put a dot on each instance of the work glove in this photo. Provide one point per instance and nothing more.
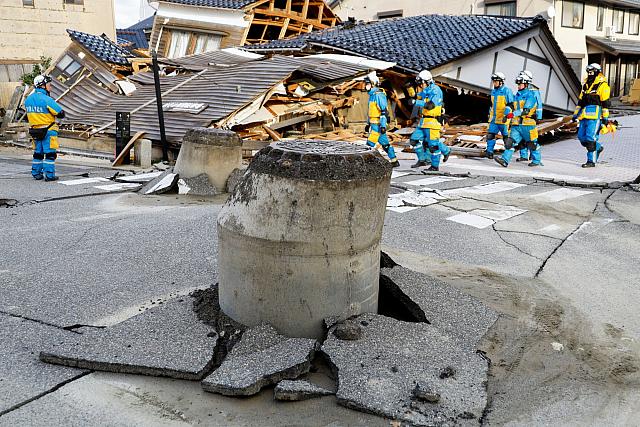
(367, 128)
(574, 118)
(383, 130)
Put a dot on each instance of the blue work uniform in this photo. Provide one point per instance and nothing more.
(523, 130)
(377, 119)
(502, 101)
(41, 113)
(430, 102)
(592, 111)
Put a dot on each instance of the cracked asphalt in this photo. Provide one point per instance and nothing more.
(564, 274)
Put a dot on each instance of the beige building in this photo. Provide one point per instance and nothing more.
(30, 29)
(606, 32)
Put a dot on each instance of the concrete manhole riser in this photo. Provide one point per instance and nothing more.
(299, 239)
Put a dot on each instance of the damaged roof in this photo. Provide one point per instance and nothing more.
(136, 37)
(220, 4)
(145, 24)
(101, 47)
(222, 90)
(414, 43)
(620, 46)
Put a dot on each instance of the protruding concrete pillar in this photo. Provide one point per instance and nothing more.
(142, 150)
(215, 152)
(299, 238)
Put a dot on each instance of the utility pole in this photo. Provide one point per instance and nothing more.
(156, 80)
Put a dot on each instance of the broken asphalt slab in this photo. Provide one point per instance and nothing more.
(167, 340)
(294, 391)
(378, 373)
(262, 357)
(23, 377)
(451, 311)
(197, 186)
(161, 184)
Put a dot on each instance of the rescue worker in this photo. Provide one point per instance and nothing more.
(430, 103)
(524, 152)
(523, 124)
(592, 112)
(502, 102)
(378, 117)
(42, 111)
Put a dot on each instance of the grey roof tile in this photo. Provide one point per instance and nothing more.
(101, 47)
(223, 4)
(137, 37)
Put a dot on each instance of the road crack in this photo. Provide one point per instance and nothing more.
(519, 249)
(42, 322)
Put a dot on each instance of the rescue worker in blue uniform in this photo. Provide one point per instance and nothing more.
(414, 90)
(430, 102)
(378, 118)
(524, 152)
(592, 112)
(502, 102)
(523, 124)
(42, 111)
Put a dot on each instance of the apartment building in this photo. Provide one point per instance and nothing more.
(606, 32)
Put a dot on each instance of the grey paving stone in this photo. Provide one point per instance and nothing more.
(379, 372)
(22, 376)
(261, 358)
(167, 340)
(293, 391)
(452, 312)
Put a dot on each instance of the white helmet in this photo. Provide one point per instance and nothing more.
(528, 74)
(498, 76)
(424, 76)
(372, 78)
(594, 69)
(41, 80)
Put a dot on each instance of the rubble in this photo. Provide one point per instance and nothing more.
(163, 183)
(197, 186)
(379, 372)
(424, 392)
(347, 331)
(453, 312)
(262, 357)
(294, 391)
(167, 340)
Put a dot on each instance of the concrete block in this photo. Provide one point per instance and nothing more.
(378, 373)
(167, 340)
(163, 183)
(197, 186)
(235, 178)
(214, 152)
(142, 151)
(301, 235)
(295, 391)
(261, 358)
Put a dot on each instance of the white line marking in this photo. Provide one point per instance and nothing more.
(402, 209)
(472, 220)
(83, 181)
(531, 174)
(116, 187)
(550, 228)
(498, 214)
(560, 194)
(412, 198)
(143, 177)
(434, 180)
(394, 202)
(398, 174)
(490, 188)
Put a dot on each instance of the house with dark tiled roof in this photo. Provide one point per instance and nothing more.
(461, 51)
(601, 31)
(137, 36)
(186, 27)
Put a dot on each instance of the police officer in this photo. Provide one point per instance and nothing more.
(42, 111)
(378, 117)
(592, 111)
(430, 103)
(523, 124)
(502, 102)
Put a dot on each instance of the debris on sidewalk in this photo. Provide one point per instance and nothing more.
(294, 391)
(197, 186)
(261, 358)
(163, 183)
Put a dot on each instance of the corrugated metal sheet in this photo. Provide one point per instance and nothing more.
(222, 90)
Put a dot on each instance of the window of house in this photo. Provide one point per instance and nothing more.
(618, 20)
(634, 23)
(600, 17)
(508, 8)
(80, 2)
(184, 43)
(572, 14)
(28, 3)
